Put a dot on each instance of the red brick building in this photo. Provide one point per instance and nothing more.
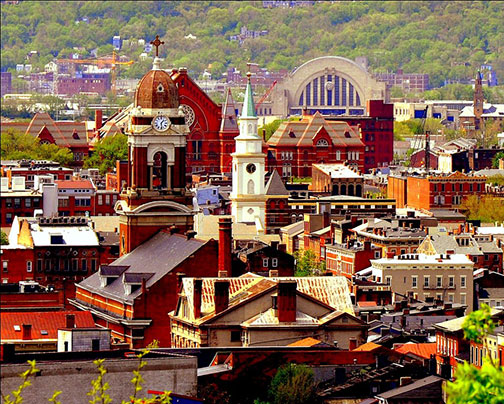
(347, 259)
(70, 134)
(76, 197)
(377, 132)
(52, 251)
(443, 191)
(296, 145)
(133, 299)
(29, 169)
(278, 211)
(18, 203)
(83, 83)
(104, 202)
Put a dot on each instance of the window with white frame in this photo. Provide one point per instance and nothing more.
(274, 262)
(463, 281)
(388, 280)
(463, 298)
(426, 281)
(5, 266)
(439, 281)
(265, 262)
(414, 281)
(100, 199)
(29, 266)
(451, 281)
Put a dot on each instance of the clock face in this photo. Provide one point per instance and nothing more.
(251, 168)
(161, 123)
(189, 114)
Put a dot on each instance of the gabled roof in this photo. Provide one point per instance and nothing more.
(308, 342)
(163, 253)
(293, 229)
(368, 347)
(302, 133)
(275, 185)
(330, 291)
(44, 324)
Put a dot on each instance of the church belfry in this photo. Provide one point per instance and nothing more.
(248, 195)
(157, 196)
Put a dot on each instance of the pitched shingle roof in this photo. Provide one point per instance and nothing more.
(163, 253)
(275, 185)
(424, 350)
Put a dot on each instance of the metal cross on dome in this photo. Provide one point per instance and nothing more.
(157, 43)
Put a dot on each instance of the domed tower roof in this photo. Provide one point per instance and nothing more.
(157, 90)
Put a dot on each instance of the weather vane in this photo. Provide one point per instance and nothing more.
(157, 43)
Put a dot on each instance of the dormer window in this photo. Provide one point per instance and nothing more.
(322, 143)
(160, 88)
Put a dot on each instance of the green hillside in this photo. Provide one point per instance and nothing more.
(447, 39)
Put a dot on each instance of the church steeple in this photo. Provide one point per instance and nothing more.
(248, 110)
(248, 196)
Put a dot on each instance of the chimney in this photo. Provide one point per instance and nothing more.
(405, 380)
(326, 219)
(27, 331)
(198, 288)
(221, 295)
(352, 344)
(190, 234)
(287, 301)
(390, 254)
(225, 231)
(98, 119)
(397, 306)
(275, 244)
(70, 321)
(264, 134)
(367, 245)
(174, 230)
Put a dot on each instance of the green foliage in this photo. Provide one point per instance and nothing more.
(17, 145)
(495, 160)
(496, 179)
(473, 385)
(447, 40)
(106, 152)
(3, 239)
(488, 209)
(270, 128)
(293, 384)
(307, 263)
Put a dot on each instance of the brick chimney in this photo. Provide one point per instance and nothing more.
(221, 295)
(190, 234)
(70, 321)
(27, 331)
(98, 119)
(287, 301)
(198, 288)
(352, 344)
(225, 229)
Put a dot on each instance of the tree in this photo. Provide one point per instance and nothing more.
(3, 239)
(495, 160)
(107, 152)
(488, 208)
(307, 263)
(17, 145)
(473, 385)
(270, 128)
(293, 384)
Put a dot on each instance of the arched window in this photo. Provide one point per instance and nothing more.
(159, 170)
(250, 187)
(343, 189)
(335, 189)
(351, 190)
(358, 190)
(322, 143)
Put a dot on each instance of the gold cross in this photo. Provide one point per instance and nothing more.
(157, 42)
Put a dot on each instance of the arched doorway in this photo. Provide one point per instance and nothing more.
(160, 171)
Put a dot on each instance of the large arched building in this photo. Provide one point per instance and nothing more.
(332, 85)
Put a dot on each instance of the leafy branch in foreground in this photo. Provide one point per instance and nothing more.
(473, 385)
(26, 375)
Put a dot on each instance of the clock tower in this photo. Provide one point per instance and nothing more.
(248, 196)
(157, 196)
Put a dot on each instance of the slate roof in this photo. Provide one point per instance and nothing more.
(293, 229)
(229, 120)
(489, 111)
(302, 133)
(159, 255)
(275, 185)
(445, 242)
(41, 321)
